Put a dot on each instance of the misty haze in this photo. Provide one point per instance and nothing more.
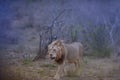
(27, 27)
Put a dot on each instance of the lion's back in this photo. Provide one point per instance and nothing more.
(74, 50)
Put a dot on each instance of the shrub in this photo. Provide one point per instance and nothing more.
(99, 42)
(27, 61)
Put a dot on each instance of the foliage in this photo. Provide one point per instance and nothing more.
(27, 61)
(49, 66)
(98, 30)
(74, 33)
(100, 42)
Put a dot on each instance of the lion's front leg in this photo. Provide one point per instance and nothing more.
(59, 72)
(65, 64)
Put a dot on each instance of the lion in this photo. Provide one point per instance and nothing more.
(63, 54)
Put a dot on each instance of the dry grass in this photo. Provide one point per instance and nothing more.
(91, 69)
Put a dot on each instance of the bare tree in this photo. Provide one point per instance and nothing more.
(49, 30)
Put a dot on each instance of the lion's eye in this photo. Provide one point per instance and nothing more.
(54, 50)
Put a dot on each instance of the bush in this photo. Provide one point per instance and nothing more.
(99, 42)
(74, 33)
(27, 62)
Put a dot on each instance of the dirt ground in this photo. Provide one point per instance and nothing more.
(90, 69)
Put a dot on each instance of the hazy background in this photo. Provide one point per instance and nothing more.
(89, 21)
(95, 23)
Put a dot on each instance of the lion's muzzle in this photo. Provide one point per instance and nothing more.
(52, 57)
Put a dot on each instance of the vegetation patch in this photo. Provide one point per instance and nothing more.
(27, 61)
(49, 65)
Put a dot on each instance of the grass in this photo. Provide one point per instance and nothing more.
(27, 61)
(91, 69)
(49, 65)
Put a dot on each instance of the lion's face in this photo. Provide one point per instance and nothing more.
(53, 51)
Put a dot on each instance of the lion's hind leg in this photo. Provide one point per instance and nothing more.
(77, 67)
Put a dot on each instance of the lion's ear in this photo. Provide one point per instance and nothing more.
(59, 42)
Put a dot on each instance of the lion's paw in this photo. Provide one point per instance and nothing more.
(56, 77)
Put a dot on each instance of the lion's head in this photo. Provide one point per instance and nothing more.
(56, 51)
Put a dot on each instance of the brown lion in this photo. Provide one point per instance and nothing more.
(63, 54)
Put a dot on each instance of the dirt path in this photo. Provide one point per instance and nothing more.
(91, 69)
